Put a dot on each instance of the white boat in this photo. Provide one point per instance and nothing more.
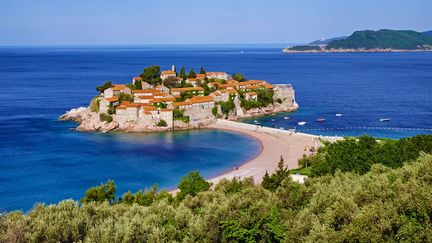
(302, 123)
(256, 121)
(320, 120)
(273, 120)
(385, 119)
(281, 128)
(338, 114)
(286, 118)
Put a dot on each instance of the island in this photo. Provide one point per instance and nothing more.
(167, 100)
(370, 41)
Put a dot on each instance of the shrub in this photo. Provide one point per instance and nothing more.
(227, 106)
(239, 77)
(215, 111)
(105, 117)
(125, 97)
(94, 104)
(192, 184)
(104, 192)
(162, 123)
(272, 182)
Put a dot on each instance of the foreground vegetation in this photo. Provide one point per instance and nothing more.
(379, 204)
(359, 154)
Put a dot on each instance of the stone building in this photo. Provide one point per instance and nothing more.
(166, 74)
(116, 90)
(217, 75)
(105, 103)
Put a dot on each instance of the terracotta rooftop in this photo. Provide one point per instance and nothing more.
(231, 91)
(254, 87)
(181, 103)
(227, 85)
(251, 82)
(119, 87)
(112, 99)
(200, 99)
(145, 91)
(187, 89)
(168, 72)
(200, 76)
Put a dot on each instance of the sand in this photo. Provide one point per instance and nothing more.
(291, 146)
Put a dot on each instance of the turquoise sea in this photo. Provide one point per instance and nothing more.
(44, 160)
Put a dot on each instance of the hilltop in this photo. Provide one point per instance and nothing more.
(371, 41)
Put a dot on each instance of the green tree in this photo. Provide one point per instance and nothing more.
(192, 184)
(162, 123)
(104, 192)
(272, 182)
(171, 82)
(125, 97)
(239, 77)
(151, 75)
(192, 74)
(102, 88)
(183, 72)
(202, 70)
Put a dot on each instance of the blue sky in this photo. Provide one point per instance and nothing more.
(76, 22)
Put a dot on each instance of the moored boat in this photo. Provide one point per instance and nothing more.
(385, 119)
(320, 119)
(302, 123)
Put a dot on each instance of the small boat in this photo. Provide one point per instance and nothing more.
(286, 118)
(320, 120)
(273, 120)
(256, 121)
(281, 128)
(302, 123)
(385, 119)
(338, 114)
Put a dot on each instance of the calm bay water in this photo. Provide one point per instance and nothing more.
(43, 160)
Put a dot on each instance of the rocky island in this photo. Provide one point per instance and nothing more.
(370, 41)
(166, 100)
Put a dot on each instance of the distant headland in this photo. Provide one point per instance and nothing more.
(167, 100)
(370, 41)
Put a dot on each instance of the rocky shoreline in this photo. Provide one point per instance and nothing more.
(375, 50)
(89, 121)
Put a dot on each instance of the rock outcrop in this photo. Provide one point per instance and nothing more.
(89, 120)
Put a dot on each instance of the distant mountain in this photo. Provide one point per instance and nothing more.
(369, 40)
(383, 39)
(428, 32)
(326, 41)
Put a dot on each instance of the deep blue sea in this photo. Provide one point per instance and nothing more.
(44, 160)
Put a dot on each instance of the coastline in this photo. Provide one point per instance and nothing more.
(274, 144)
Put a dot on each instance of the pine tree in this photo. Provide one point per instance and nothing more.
(182, 72)
(192, 74)
(202, 70)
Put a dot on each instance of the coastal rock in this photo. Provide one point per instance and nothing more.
(76, 115)
(89, 120)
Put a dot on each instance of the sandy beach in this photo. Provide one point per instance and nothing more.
(275, 143)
